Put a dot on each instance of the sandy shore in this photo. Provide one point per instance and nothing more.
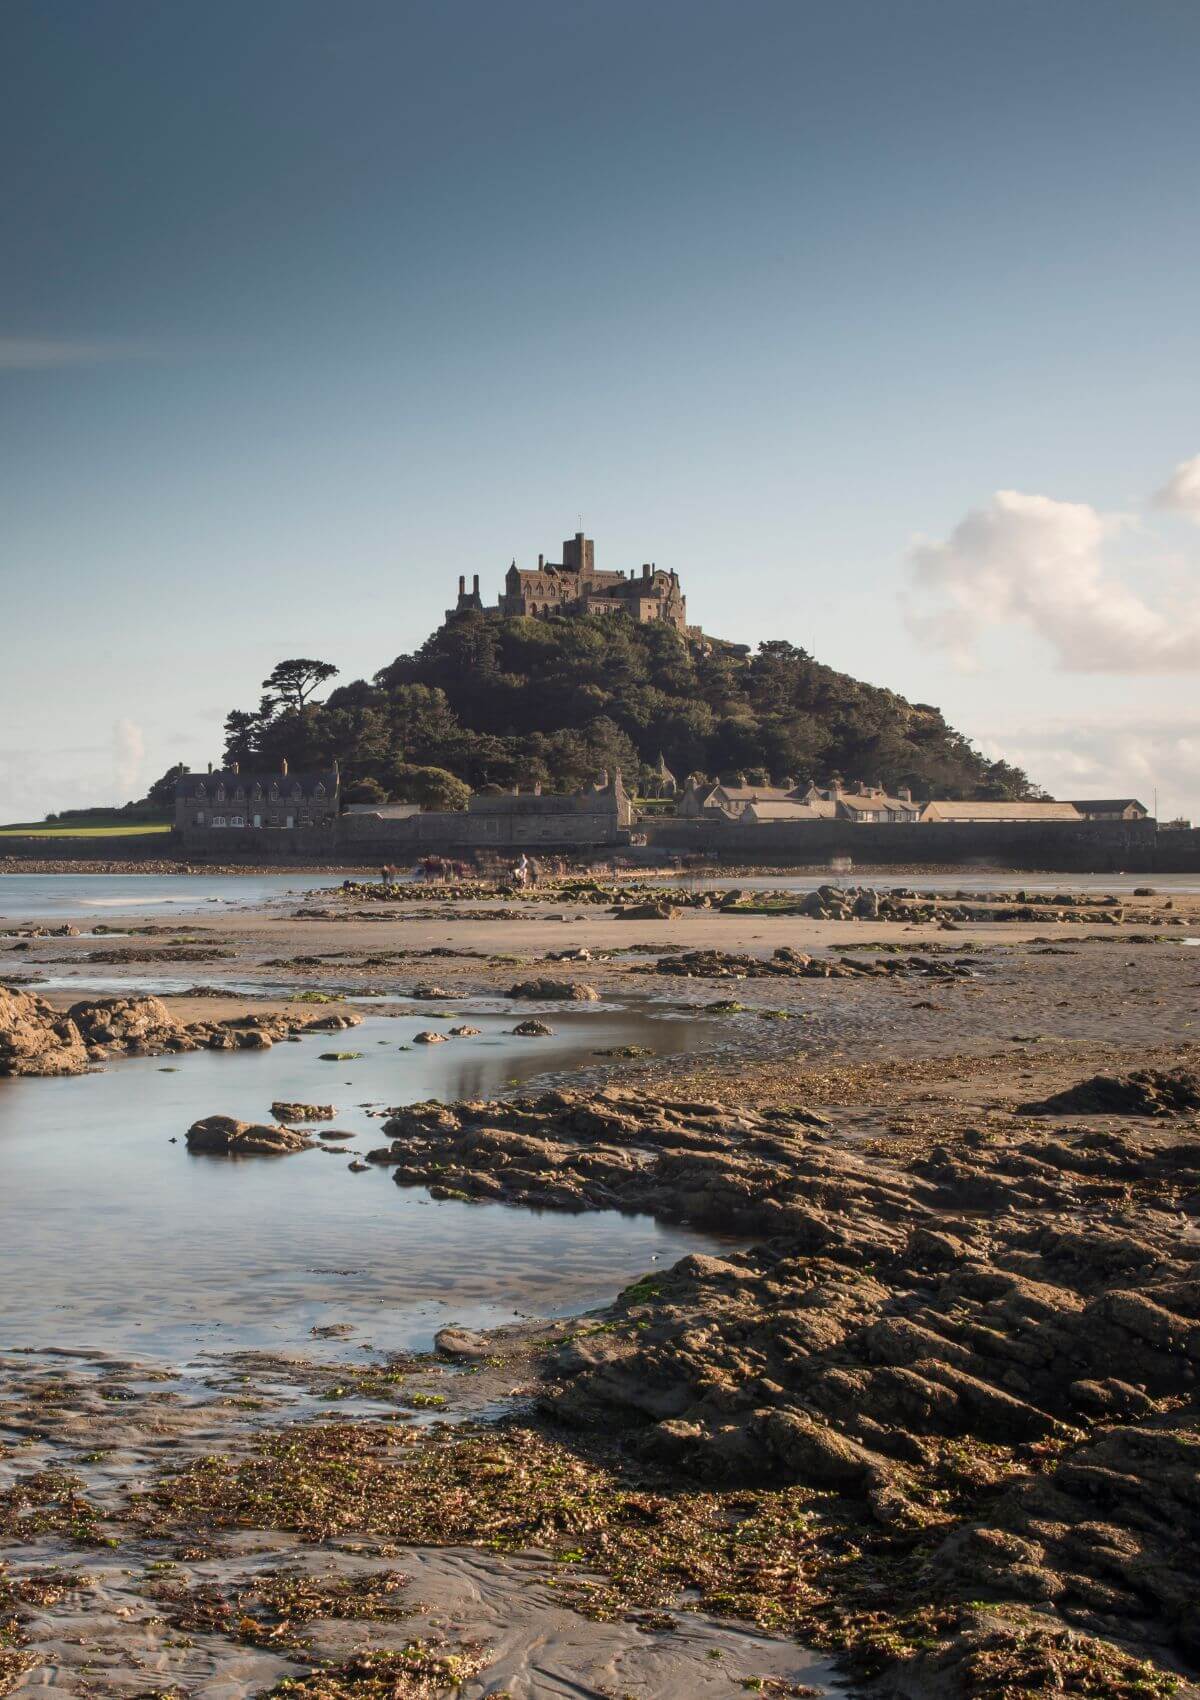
(131, 1567)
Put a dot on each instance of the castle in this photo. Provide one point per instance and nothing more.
(573, 586)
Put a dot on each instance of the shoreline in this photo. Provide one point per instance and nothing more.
(942, 1312)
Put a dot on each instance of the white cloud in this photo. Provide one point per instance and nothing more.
(35, 354)
(1113, 756)
(1038, 562)
(1181, 492)
(128, 754)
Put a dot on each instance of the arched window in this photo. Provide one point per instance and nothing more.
(274, 791)
(220, 793)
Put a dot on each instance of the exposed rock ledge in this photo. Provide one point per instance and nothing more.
(37, 1039)
(993, 1346)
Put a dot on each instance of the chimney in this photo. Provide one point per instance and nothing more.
(283, 766)
(233, 767)
(462, 584)
(646, 569)
(210, 767)
(905, 794)
(541, 562)
(475, 585)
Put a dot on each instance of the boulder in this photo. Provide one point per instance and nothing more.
(224, 1136)
(287, 1112)
(565, 991)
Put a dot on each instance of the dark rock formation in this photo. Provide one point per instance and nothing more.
(225, 1137)
(1146, 1092)
(548, 990)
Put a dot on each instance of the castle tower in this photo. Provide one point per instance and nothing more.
(579, 556)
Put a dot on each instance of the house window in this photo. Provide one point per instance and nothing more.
(237, 820)
(199, 817)
(258, 820)
(220, 793)
(290, 821)
(217, 820)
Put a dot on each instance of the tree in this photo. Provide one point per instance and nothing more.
(432, 787)
(162, 792)
(365, 791)
(293, 682)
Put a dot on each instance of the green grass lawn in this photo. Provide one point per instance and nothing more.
(48, 829)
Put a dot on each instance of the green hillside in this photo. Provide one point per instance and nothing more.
(497, 701)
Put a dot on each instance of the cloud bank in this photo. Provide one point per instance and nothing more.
(1110, 757)
(1035, 561)
(1181, 492)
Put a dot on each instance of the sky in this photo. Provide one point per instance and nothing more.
(875, 319)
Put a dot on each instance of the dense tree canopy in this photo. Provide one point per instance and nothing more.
(500, 701)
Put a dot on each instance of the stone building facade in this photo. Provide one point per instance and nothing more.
(231, 801)
(597, 815)
(574, 586)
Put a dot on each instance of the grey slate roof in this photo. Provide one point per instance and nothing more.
(206, 785)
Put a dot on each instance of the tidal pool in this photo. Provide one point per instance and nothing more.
(114, 1237)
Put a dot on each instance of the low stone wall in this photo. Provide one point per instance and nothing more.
(1097, 847)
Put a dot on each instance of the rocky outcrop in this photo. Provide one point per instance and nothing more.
(549, 990)
(288, 1112)
(1146, 1092)
(223, 1136)
(990, 1350)
(37, 1039)
(789, 964)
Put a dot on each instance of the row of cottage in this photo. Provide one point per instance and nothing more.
(755, 805)
(601, 813)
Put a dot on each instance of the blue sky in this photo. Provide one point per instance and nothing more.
(306, 309)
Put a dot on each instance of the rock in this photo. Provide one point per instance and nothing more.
(224, 1136)
(464, 1032)
(334, 1133)
(339, 1056)
(462, 1344)
(648, 912)
(431, 994)
(1146, 1092)
(533, 1029)
(37, 1039)
(547, 990)
(288, 1112)
(429, 1038)
(357, 1168)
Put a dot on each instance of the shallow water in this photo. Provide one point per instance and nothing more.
(114, 1238)
(101, 897)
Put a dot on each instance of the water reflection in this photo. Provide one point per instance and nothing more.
(113, 1237)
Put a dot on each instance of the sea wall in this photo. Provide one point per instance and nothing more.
(1096, 847)
(363, 840)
